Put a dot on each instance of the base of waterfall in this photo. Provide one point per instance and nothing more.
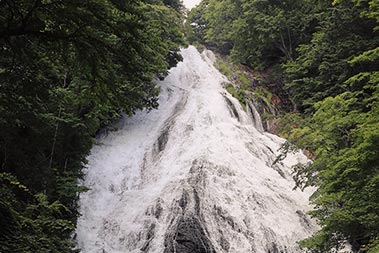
(195, 175)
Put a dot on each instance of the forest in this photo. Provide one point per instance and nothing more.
(69, 68)
(323, 57)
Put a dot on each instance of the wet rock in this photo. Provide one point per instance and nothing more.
(158, 210)
(232, 109)
(162, 140)
(304, 219)
(149, 237)
(225, 245)
(188, 236)
(183, 201)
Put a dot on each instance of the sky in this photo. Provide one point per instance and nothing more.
(190, 3)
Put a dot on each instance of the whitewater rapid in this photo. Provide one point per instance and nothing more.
(196, 175)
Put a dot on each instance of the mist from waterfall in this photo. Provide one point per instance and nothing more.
(195, 175)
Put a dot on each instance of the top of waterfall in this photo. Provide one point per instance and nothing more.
(210, 57)
(189, 4)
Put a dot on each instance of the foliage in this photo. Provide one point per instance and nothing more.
(264, 95)
(257, 32)
(322, 66)
(223, 67)
(238, 94)
(38, 226)
(288, 122)
(245, 81)
(346, 170)
(68, 68)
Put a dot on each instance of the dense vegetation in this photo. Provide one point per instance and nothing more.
(67, 69)
(326, 57)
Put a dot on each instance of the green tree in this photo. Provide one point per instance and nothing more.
(344, 139)
(322, 66)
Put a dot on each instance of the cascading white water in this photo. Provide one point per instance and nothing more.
(193, 176)
(254, 115)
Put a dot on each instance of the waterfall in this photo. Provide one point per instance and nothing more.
(254, 115)
(195, 175)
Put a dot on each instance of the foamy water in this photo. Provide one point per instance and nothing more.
(196, 175)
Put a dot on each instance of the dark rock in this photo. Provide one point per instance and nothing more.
(188, 236)
(158, 210)
(232, 109)
(275, 249)
(225, 245)
(162, 140)
(304, 219)
(149, 236)
(183, 201)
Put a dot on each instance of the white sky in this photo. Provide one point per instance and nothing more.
(190, 3)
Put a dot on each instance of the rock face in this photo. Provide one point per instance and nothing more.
(194, 176)
(187, 232)
(188, 236)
